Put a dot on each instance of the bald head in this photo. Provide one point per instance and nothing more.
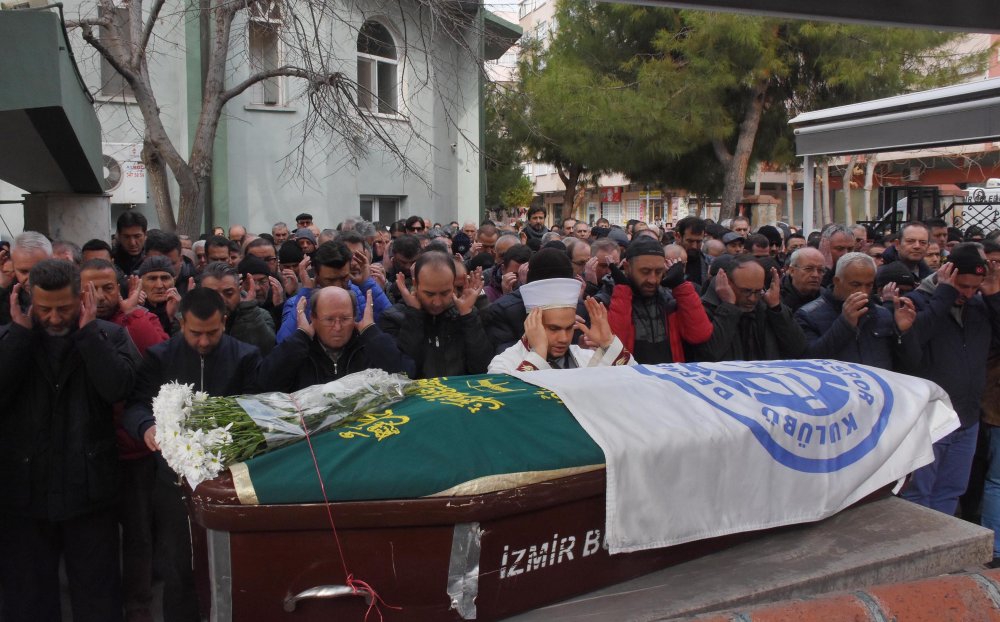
(675, 251)
(332, 316)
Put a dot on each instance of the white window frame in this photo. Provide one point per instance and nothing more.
(257, 91)
(375, 199)
(373, 77)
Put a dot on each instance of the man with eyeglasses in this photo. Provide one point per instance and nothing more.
(801, 283)
(328, 344)
(749, 321)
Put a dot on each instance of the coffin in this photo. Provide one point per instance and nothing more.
(481, 557)
(478, 498)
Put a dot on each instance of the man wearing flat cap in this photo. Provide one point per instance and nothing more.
(159, 291)
(963, 297)
(549, 328)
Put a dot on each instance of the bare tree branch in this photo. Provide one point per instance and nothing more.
(140, 50)
(115, 62)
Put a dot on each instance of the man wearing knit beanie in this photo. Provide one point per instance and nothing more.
(652, 308)
(957, 324)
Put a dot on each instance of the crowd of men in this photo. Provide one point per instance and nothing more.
(89, 334)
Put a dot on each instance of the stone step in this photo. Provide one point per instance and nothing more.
(887, 541)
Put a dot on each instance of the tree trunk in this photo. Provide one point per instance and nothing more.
(570, 177)
(736, 163)
(159, 186)
(872, 160)
(848, 175)
(824, 170)
(190, 212)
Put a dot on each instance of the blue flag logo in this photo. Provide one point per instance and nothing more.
(811, 416)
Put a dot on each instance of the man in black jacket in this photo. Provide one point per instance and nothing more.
(439, 330)
(749, 321)
(62, 371)
(329, 344)
(846, 322)
(965, 303)
(801, 283)
(202, 355)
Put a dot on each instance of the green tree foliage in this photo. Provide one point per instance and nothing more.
(691, 99)
(502, 152)
(519, 194)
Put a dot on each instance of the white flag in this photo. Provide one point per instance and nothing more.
(701, 450)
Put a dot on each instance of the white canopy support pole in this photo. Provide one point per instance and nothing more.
(808, 195)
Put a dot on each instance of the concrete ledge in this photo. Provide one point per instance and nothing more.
(887, 541)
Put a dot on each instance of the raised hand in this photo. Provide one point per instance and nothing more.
(723, 289)
(946, 274)
(772, 297)
(277, 293)
(301, 321)
(133, 301)
(368, 317)
(534, 332)
(291, 282)
(473, 285)
(404, 292)
(991, 284)
(5, 280)
(362, 258)
(905, 313)
(855, 307)
(599, 331)
(173, 302)
(88, 305)
(304, 278)
(378, 273)
(890, 292)
(16, 315)
(507, 282)
(590, 271)
(249, 287)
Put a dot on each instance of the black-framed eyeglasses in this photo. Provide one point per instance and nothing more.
(414, 228)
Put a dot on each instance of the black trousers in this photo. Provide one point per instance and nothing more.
(173, 554)
(135, 513)
(30, 549)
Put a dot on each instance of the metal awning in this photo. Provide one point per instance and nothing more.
(953, 115)
(501, 35)
(51, 135)
(967, 15)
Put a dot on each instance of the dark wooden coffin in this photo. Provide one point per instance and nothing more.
(479, 557)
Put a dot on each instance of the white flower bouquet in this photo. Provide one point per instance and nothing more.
(200, 435)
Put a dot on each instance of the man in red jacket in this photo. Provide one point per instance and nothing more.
(138, 466)
(651, 308)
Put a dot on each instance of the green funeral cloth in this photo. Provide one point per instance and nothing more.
(453, 431)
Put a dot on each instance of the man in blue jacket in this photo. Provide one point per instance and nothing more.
(955, 346)
(332, 263)
(203, 355)
(846, 323)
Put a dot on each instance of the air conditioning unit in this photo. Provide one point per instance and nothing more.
(911, 174)
(124, 172)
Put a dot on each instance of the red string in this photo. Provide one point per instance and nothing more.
(350, 581)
